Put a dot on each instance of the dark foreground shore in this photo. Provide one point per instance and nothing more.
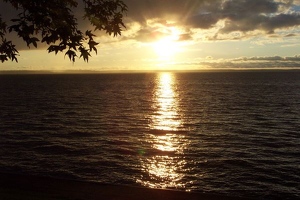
(15, 187)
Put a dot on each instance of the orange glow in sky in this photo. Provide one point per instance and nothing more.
(185, 35)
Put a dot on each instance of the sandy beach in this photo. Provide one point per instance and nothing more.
(13, 187)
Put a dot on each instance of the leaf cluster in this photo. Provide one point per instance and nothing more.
(53, 22)
(7, 48)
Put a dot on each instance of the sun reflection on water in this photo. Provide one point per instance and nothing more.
(163, 163)
(166, 116)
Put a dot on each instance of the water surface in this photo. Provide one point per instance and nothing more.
(232, 133)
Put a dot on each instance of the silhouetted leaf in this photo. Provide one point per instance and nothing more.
(34, 41)
(84, 53)
(71, 54)
(89, 34)
(92, 45)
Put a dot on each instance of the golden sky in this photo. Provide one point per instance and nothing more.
(188, 35)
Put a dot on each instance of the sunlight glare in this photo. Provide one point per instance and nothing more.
(168, 46)
(166, 114)
(164, 167)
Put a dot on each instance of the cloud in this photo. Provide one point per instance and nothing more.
(290, 35)
(269, 58)
(142, 10)
(149, 20)
(267, 62)
(244, 16)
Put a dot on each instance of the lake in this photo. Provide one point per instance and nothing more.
(231, 133)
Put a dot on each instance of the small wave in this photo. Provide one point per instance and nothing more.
(165, 132)
(157, 152)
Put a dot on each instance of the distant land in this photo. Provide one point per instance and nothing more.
(137, 71)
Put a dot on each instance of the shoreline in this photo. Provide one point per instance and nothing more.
(95, 72)
(14, 187)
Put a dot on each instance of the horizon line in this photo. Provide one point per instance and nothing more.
(141, 71)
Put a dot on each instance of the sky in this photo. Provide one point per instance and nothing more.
(187, 35)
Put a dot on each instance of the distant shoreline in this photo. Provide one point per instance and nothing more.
(144, 71)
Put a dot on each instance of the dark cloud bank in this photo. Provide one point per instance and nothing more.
(267, 62)
(239, 15)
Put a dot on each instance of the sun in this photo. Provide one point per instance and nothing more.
(167, 46)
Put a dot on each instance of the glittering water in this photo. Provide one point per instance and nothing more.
(234, 133)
